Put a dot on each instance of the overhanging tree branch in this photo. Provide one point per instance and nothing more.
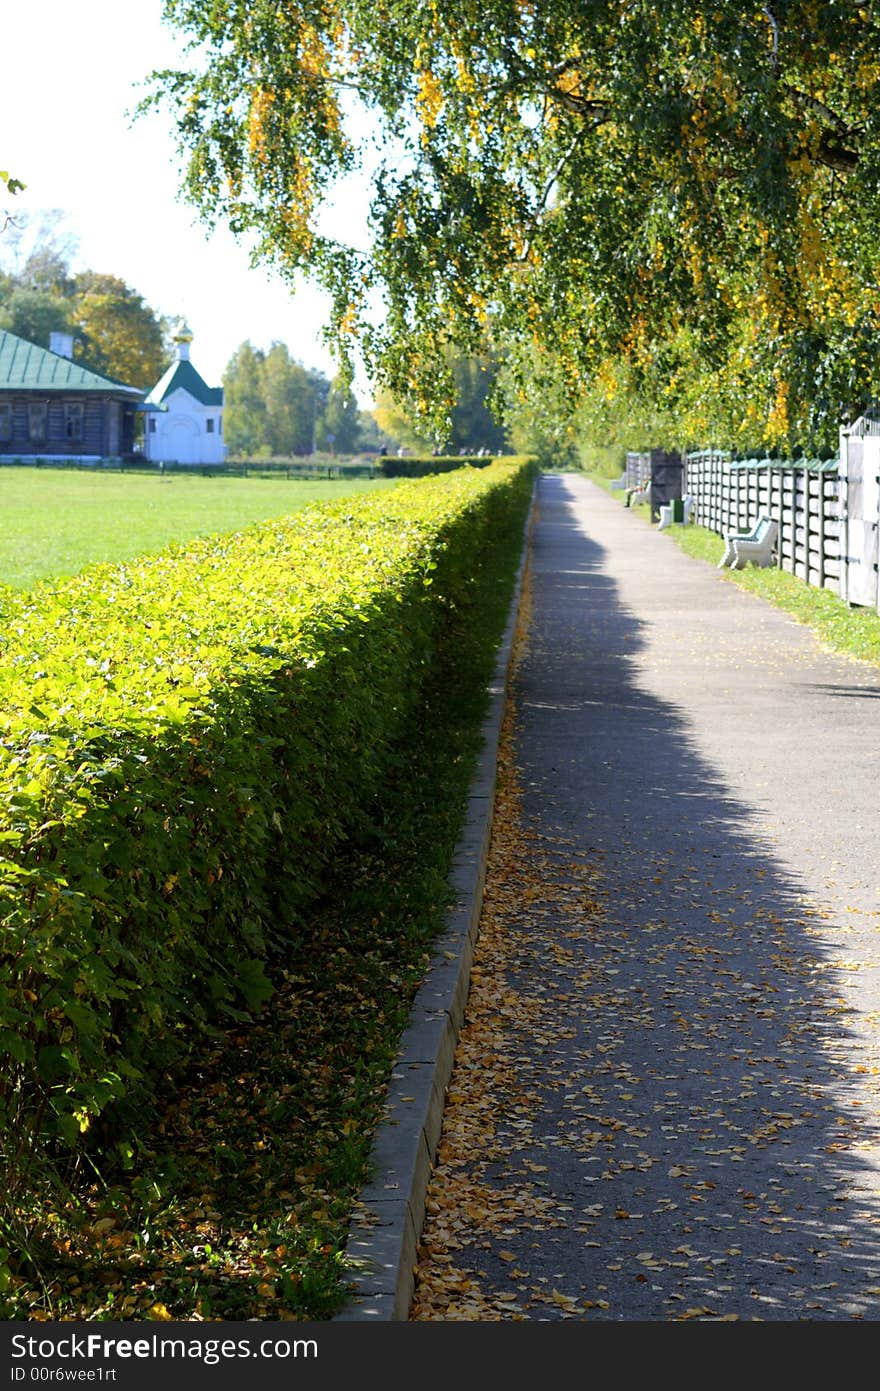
(835, 144)
(528, 75)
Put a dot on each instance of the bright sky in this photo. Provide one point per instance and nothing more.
(71, 74)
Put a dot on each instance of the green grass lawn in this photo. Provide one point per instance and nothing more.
(55, 522)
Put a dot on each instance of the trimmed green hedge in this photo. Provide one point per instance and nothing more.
(185, 745)
(392, 466)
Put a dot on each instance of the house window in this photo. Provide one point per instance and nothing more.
(113, 428)
(37, 421)
(73, 421)
(152, 425)
(5, 423)
(209, 426)
(220, 426)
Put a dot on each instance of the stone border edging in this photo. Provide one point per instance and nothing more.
(382, 1243)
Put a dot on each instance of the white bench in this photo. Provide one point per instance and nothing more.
(618, 482)
(638, 495)
(689, 505)
(755, 546)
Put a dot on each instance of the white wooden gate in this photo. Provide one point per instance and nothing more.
(860, 513)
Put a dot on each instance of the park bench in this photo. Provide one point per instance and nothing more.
(755, 546)
(618, 483)
(637, 495)
(685, 508)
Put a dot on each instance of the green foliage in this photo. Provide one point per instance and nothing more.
(472, 400)
(292, 400)
(117, 332)
(269, 1124)
(34, 314)
(186, 743)
(339, 427)
(473, 424)
(244, 408)
(609, 184)
(538, 409)
(12, 185)
(273, 406)
(394, 422)
(114, 330)
(603, 462)
(370, 437)
(410, 466)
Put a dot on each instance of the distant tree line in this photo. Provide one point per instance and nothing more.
(114, 330)
(274, 406)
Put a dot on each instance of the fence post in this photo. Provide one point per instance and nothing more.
(807, 531)
(821, 527)
(843, 515)
(777, 474)
(737, 479)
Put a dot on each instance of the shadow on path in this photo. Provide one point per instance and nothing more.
(683, 1111)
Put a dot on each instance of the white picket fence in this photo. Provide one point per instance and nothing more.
(802, 498)
(827, 513)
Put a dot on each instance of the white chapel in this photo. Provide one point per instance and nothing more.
(184, 416)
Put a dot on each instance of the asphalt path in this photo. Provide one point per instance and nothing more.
(665, 1097)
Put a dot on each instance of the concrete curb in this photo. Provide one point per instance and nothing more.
(382, 1243)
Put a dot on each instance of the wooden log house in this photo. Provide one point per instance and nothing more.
(53, 408)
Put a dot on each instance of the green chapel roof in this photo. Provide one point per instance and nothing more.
(181, 375)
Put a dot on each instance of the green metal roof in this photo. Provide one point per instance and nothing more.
(25, 367)
(183, 376)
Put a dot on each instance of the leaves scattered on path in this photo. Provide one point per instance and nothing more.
(665, 1097)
